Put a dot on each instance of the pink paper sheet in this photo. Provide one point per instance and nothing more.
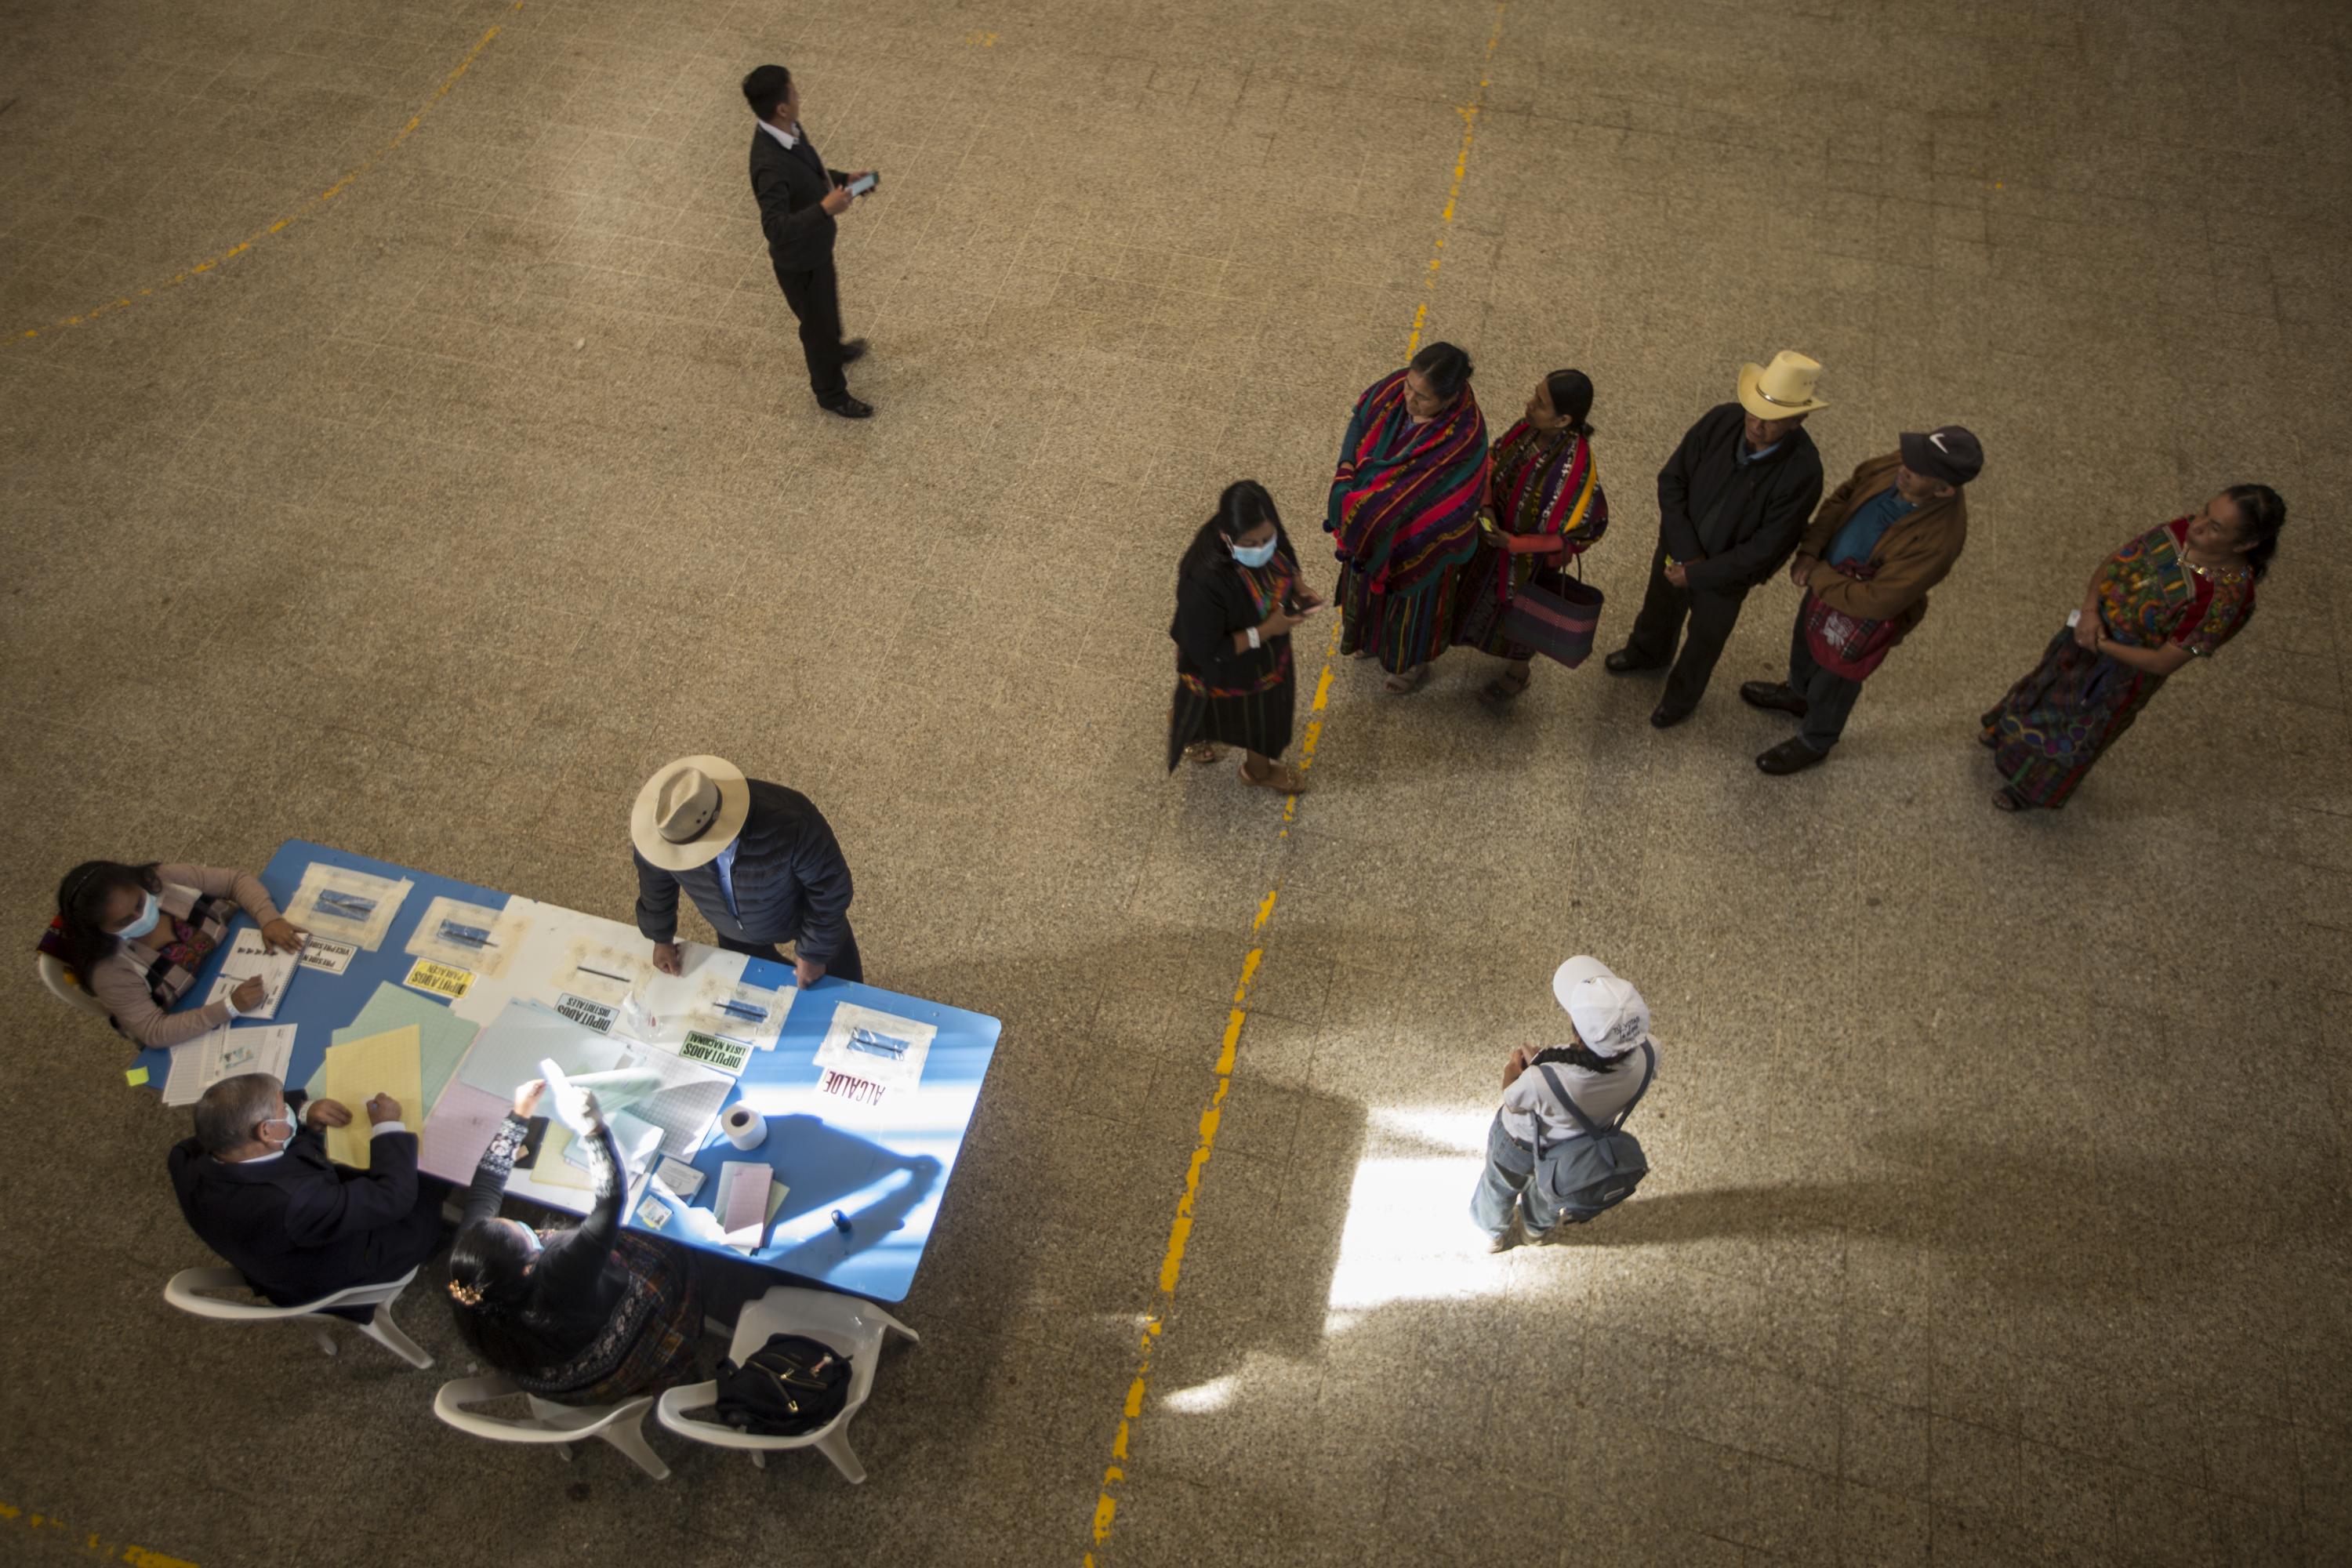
(463, 1122)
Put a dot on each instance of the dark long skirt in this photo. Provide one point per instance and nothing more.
(2062, 718)
(1259, 722)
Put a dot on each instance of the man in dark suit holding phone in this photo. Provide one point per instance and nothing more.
(798, 199)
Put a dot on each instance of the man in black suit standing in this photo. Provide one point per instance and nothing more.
(257, 1188)
(798, 199)
(1732, 502)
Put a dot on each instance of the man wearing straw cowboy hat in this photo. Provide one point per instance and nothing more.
(1732, 501)
(757, 859)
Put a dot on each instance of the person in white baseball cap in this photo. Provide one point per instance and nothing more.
(1608, 1064)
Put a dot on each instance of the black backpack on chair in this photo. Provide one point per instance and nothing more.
(791, 1386)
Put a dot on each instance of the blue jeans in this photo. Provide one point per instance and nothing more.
(1829, 699)
(1504, 1185)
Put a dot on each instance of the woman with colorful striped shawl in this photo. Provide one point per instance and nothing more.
(1404, 513)
(1544, 507)
(2175, 592)
(1238, 595)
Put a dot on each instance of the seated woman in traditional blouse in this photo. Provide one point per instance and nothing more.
(134, 936)
(589, 1315)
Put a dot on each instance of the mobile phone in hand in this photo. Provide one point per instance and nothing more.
(863, 183)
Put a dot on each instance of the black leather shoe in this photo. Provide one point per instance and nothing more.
(847, 408)
(1625, 661)
(853, 351)
(1771, 696)
(1665, 718)
(1790, 756)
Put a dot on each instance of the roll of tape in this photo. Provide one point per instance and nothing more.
(745, 1128)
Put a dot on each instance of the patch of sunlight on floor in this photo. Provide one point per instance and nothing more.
(1408, 1235)
(1203, 1398)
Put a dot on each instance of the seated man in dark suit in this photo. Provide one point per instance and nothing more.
(759, 860)
(257, 1188)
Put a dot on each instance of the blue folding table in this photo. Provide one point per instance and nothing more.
(883, 1178)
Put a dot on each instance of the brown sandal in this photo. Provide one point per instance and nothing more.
(2007, 799)
(1203, 751)
(1278, 776)
(1405, 680)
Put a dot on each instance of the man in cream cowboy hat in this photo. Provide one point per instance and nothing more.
(1732, 501)
(757, 859)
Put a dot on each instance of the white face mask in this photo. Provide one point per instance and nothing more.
(149, 912)
(288, 1122)
(1253, 555)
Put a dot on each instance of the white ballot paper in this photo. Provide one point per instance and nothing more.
(200, 1063)
(347, 906)
(248, 955)
(879, 1047)
(470, 936)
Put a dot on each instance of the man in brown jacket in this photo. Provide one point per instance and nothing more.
(1878, 544)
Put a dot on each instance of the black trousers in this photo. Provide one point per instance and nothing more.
(845, 964)
(1711, 614)
(816, 299)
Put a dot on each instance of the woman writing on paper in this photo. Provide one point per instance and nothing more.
(134, 936)
(589, 1315)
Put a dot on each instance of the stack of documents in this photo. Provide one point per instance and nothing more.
(224, 1052)
(357, 1071)
(248, 955)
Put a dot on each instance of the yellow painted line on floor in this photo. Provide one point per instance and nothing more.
(18, 1523)
(313, 205)
(1180, 1230)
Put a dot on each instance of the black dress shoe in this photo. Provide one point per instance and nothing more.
(1771, 696)
(1790, 756)
(853, 351)
(847, 408)
(1665, 718)
(1625, 661)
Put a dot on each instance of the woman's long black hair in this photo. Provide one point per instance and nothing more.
(490, 1298)
(2260, 515)
(1243, 506)
(81, 899)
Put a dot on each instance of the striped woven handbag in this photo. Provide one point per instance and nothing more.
(1558, 620)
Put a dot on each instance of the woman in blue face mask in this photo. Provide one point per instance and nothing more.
(1238, 596)
(134, 936)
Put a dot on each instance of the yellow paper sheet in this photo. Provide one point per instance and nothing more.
(354, 1073)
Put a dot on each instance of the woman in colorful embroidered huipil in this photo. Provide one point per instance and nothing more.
(591, 1314)
(1403, 513)
(1544, 507)
(2177, 593)
(1238, 595)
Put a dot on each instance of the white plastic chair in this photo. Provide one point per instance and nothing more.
(187, 1288)
(853, 1327)
(53, 975)
(622, 1424)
